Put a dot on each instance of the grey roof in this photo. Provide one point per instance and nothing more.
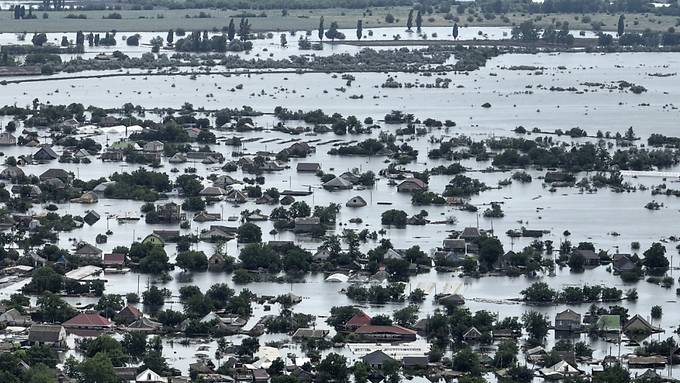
(45, 333)
(308, 166)
(376, 358)
(569, 315)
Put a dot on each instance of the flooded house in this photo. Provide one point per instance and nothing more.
(51, 335)
(308, 167)
(392, 333)
(411, 185)
(568, 320)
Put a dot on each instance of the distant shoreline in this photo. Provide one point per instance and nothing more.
(160, 20)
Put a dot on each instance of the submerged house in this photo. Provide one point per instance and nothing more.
(337, 183)
(357, 201)
(52, 335)
(45, 153)
(392, 333)
(568, 320)
(411, 185)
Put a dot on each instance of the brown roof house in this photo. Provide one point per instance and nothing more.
(393, 333)
(88, 321)
(47, 335)
(640, 325)
(307, 224)
(128, 314)
(411, 185)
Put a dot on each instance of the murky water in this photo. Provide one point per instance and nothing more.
(589, 217)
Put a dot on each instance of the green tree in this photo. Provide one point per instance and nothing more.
(409, 20)
(454, 33)
(192, 261)
(54, 309)
(467, 360)
(614, 373)
(333, 368)
(360, 29)
(620, 26)
(134, 344)
(655, 257)
(419, 21)
(249, 233)
(536, 325)
(490, 249)
(231, 30)
(321, 29)
(407, 316)
(97, 369)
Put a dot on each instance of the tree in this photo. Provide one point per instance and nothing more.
(657, 312)
(621, 26)
(360, 29)
(490, 249)
(40, 373)
(39, 39)
(109, 346)
(231, 30)
(655, 257)
(333, 33)
(320, 34)
(134, 344)
(97, 369)
(171, 35)
(467, 360)
(54, 309)
(419, 21)
(409, 20)
(284, 42)
(153, 296)
(258, 255)
(539, 292)
(455, 31)
(249, 233)
(333, 368)
(536, 325)
(361, 371)
(244, 29)
(192, 261)
(577, 262)
(614, 373)
(407, 316)
(109, 304)
(394, 217)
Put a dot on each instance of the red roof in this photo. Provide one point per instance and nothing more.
(87, 320)
(359, 319)
(384, 329)
(132, 310)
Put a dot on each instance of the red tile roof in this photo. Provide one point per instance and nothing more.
(359, 319)
(384, 329)
(87, 320)
(132, 310)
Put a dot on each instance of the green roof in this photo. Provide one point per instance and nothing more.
(609, 322)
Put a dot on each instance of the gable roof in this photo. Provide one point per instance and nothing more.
(87, 320)
(393, 329)
(359, 319)
(568, 314)
(376, 357)
(45, 333)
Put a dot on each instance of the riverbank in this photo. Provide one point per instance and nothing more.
(161, 20)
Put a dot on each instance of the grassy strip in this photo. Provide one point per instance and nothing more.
(162, 20)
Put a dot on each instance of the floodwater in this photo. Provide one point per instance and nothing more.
(517, 98)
